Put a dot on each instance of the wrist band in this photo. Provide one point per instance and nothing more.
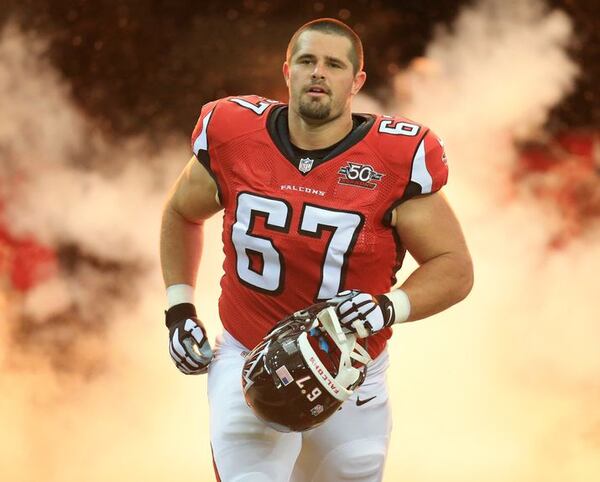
(401, 304)
(180, 293)
(179, 312)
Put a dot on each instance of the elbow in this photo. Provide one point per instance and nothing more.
(170, 214)
(466, 278)
(175, 213)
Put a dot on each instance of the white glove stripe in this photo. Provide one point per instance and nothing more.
(180, 350)
(346, 308)
(194, 330)
(174, 355)
(179, 363)
(191, 363)
(356, 302)
(368, 309)
(364, 309)
(184, 369)
(362, 314)
(346, 320)
(177, 344)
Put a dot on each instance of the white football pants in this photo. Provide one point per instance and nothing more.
(350, 446)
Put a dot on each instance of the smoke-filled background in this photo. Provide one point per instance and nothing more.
(97, 101)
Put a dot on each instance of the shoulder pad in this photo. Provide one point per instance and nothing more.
(229, 118)
(412, 151)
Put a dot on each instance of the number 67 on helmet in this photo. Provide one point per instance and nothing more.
(303, 370)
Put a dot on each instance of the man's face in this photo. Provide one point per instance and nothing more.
(320, 76)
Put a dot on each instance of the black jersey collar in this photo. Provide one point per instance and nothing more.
(277, 126)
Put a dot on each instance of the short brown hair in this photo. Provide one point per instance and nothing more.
(333, 27)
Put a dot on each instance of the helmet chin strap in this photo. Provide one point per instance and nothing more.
(349, 349)
(345, 341)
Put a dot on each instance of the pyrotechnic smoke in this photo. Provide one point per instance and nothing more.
(88, 390)
(505, 385)
(501, 388)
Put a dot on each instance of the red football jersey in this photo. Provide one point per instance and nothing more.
(294, 233)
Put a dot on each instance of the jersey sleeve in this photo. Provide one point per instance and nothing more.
(419, 166)
(200, 135)
(203, 136)
(429, 167)
(222, 127)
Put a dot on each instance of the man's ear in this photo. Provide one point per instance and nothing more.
(286, 73)
(359, 80)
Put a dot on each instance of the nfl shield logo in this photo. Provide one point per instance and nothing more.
(306, 164)
(316, 410)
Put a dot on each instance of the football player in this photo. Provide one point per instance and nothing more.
(319, 204)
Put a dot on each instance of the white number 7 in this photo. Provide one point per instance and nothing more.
(257, 108)
(313, 221)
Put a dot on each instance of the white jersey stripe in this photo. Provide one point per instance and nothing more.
(420, 174)
(201, 142)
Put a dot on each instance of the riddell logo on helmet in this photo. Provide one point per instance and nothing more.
(323, 374)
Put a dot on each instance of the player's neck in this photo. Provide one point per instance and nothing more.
(310, 136)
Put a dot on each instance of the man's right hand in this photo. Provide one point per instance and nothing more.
(188, 344)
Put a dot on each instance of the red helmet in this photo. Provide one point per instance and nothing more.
(303, 370)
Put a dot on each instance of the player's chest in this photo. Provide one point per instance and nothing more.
(355, 180)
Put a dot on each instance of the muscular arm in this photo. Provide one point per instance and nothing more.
(191, 201)
(431, 233)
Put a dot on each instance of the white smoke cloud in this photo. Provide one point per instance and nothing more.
(501, 387)
(35, 115)
(135, 404)
(494, 389)
(488, 80)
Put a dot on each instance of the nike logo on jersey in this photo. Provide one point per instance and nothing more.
(360, 402)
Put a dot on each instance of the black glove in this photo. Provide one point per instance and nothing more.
(188, 344)
(362, 313)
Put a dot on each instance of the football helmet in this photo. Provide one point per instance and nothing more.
(303, 370)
